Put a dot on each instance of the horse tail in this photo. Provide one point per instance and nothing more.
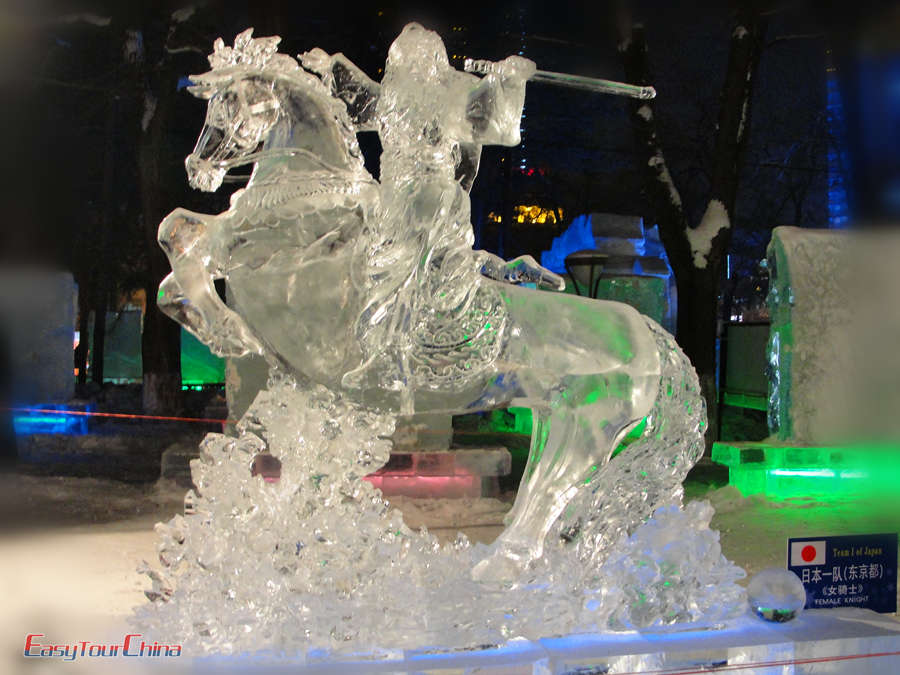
(648, 472)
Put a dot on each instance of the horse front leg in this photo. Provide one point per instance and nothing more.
(571, 440)
(188, 294)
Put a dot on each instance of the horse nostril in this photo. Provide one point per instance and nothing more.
(202, 175)
(267, 466)
(194, 163)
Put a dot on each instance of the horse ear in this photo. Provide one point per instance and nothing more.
(203, 91)
(205, 85)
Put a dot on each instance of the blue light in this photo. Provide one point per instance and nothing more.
(838, 208)
(577, 237)
(44, 422)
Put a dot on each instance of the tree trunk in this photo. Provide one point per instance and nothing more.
(161, 336)
(697, 254)
(697, 329)
(81, 352)
(161, 352)
(107, 198)
(99, 339)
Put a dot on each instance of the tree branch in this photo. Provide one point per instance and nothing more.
(794, 36)
(662, 193)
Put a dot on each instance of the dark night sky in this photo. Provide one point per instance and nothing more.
(57, 74)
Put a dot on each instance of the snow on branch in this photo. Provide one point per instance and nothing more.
(186, 48)
(658, 162)
(626, 33)
(795, 36)
(714, 220)
(149, 110)
(183, 14)
(85, 17)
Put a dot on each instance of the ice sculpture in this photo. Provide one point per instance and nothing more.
(368, 301)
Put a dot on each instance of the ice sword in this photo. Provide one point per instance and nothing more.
(596, 84)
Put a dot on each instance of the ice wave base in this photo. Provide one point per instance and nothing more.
(319, 560)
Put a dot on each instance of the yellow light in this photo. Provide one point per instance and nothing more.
(531, 215)
(536, 214)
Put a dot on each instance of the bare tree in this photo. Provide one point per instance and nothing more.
(159, 70)
(697, 250)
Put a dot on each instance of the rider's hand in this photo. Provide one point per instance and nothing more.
(515, 68)
(526, 269)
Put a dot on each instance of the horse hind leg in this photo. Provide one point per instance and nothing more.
(571, 440)
(650, 471)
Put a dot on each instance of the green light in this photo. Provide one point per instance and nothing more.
(594, 396)
(818, 473)
(744, 400)
(198, 365)
(809, 473)
(789, 471)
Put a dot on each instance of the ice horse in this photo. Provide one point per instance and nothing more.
(371, 288)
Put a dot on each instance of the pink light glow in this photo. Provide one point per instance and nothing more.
(427, 486)
(405, 482)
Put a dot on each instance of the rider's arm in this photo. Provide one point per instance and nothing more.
(469, 161)
(494, 107)
(356, 89)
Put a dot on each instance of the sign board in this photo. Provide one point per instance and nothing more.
(849, 571)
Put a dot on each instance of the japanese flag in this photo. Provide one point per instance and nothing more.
(807, 553)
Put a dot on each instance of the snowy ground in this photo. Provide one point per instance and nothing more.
(70, 546)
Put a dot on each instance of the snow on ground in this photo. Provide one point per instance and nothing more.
(70, 546)
(69, 549)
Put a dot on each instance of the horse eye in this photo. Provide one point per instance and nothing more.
(217, 114)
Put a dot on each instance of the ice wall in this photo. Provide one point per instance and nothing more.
(37, 321)
(834, 300)
(808, 309)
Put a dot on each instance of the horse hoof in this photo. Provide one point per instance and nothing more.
(503, 565)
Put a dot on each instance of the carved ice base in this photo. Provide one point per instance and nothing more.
(818, 641)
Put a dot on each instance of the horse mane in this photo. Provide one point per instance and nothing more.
(259, 57)
(310, 85)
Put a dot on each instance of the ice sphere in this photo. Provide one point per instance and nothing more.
(776, 595)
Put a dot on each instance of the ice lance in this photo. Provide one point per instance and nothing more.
(596, 84)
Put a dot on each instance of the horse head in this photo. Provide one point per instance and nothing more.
(263, 104)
